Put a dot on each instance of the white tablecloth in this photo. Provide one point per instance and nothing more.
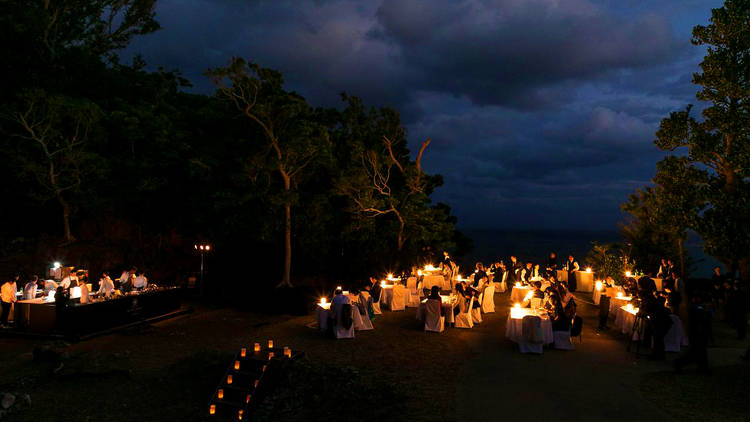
(449, 303)
(436, 280)
(616, 302)
(624, 320)
(584, 281)
(514, 325)
(562, 275)
(518, 294)
(386, 295)
(658, 282)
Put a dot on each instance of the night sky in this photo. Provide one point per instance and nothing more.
(541, 112)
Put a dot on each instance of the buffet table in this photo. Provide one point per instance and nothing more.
(40, 316)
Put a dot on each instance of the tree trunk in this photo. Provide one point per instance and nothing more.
(286, 276)
(682, 258)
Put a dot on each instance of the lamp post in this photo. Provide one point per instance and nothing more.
(203, 249)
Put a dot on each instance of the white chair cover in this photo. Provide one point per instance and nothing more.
(412, 292)
(322, 317)
(464, 319)
(433, 321)
(340, 331)
(476, 313)
(376, 305)
(488, 300)
(562, 340)
(532, 337)
(398, 301)
(411, 283)
(502, 287)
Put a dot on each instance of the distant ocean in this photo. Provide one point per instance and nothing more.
(535, 246)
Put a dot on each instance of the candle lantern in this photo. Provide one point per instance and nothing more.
(239, 415)
(588, 269)
(243, 352)
(236, 365)
(247, 399)
(220, 393)
(212, 409)
(287, 352)
(270, 355)
(256, 348)
(229, 379)
(517, 306)
(270, 344)
(323, 301)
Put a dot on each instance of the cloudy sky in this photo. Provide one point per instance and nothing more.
(541, 112)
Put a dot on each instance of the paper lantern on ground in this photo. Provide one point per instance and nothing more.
(270, 344)
(212, 409)
(287, 352)
(236, 365)
(256, 347)
(229, 379)
(220, 393)
(243, 352)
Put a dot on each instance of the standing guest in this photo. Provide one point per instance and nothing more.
(29, 290)
(106, 285)
(537, 273)
(571, 266)
(737, 309)
(67, 281)
(62, 297)
(140, 281)
(663, 269)
(670, 266)
(552, 264)
(7, 297)
(515, 269)
(84, 294)
(375, 290)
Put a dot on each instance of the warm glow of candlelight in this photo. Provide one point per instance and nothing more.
(239, 415)
(212, 409)
(256, 347)
(221, 393)
(236, 365)
(264, 368)
(243, 352)
(529, 295)
(419, 272)
(247, 399)
(627, 273)
(270, 356)
(588, 269)
(517, 306)
(599, 285)
(339, 288)
(229, 379)
(383, 283)
(287, 352)
(619, 294)
(323, 301)
(255, 384)
(518, 284)
(270, 344)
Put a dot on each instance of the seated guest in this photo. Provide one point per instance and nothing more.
(515, 269)
(536, 273)
(480, 275)
(558, 317)
(140, 281)
(127, 284)
(537, 292)
(106, 285)
(565, 294)
(340, 298)
(435, 295)
(29, 290)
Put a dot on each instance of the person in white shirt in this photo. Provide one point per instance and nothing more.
(69, 280)
(124, 277)
(140, 281)
(106, 285)
(29, 290)
(84, 293)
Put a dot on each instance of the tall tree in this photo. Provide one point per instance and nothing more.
(57, 130)
(292, 140)
(716, 163)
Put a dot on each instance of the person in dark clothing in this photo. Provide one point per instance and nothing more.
(62, 297)
(658, 323)
(571, 266)
(736, 309)
(435, 295)
(552, 266)
(375, 290)
(699, 323)
(515, 270)
(479, 275)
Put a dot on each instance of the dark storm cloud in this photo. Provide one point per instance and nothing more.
(542, 112)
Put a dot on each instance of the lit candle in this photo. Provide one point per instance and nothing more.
(243, 352)
(390, 276)
(338, 288)
(239, 415)
(229, 379)
(287, 352)
(270, 344)
(247, 399)
(382, 283)
(627, 273)
(517, 306)
(270, 355)
(518, 284)
(419, 272)
(256, 347)
(323, 301)
(236, 365)
(212, 409)
(221, 393)
(588, 269)
(599, 285)
(619, 294)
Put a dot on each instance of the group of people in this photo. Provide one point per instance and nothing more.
(129, 280)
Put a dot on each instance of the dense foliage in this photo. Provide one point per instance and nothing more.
(108, 164)
(706, 188)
